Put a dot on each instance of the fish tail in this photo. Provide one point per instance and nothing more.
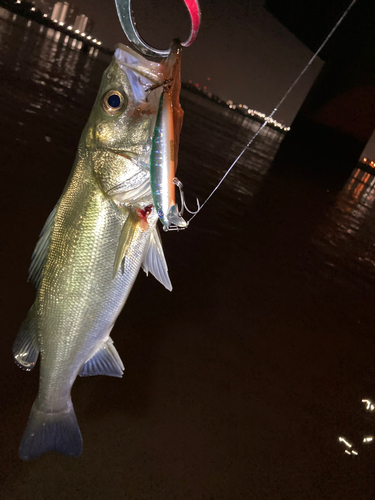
(56, 431)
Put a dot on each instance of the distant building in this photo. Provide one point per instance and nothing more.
(63, 12)
(80, 23)
(60, 11)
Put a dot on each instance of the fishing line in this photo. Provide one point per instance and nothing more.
(268, 118)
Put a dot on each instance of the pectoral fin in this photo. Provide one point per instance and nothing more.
(126, 237)
(106, 361)
(155, 262)
(122, 195)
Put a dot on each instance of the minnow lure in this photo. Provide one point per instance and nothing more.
(164, 151)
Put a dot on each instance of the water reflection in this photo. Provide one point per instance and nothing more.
(44, 56)
(346, 238)
(343, 440)
(360, 441)
(48, 87)
(369, 405)
(5, 27)
(5, 14)
(214, 152)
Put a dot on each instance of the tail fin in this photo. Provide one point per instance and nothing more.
(51, 431)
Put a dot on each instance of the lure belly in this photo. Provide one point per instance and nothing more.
(165, 142)
(162, 166)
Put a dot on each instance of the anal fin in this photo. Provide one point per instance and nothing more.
(106, 361)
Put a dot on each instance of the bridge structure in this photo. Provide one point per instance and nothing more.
(337, 117)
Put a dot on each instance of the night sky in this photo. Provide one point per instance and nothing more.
(247, 54)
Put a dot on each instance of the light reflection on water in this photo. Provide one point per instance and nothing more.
(351, 447)
(346, 237)
(213, 147)
(48, 86)
(45, 57)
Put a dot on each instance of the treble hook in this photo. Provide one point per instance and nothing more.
(180, 186)
(125, 15)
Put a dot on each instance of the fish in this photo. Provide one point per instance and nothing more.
(91, 248)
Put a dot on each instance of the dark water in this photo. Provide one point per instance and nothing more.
(239, 384)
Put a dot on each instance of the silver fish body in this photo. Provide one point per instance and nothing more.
(102, 230)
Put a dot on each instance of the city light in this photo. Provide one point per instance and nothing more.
(343, 440)
(59, 18)
(253, 112)
(369, 404)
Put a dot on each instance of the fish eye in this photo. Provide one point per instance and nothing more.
(113, 102)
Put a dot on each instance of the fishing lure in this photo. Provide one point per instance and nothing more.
(164, 151)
